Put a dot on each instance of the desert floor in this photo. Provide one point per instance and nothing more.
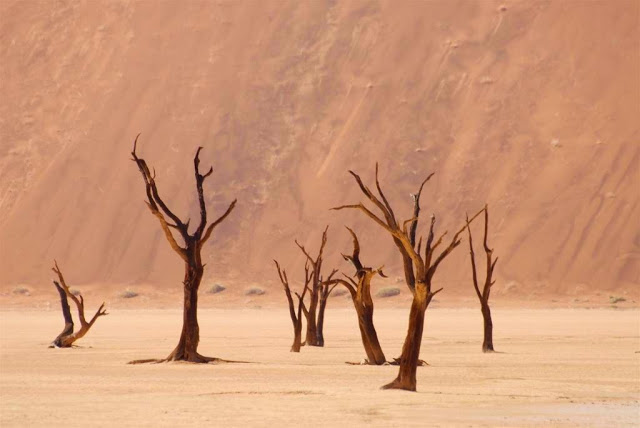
(557, 367)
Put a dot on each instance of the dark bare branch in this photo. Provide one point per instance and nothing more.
(389, 214)
(370, 214)
(416, 211)
(473, 262)
(355, 257)
(217, 222)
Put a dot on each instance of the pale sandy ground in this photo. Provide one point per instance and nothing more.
(562, 367)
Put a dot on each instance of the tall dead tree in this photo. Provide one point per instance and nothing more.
(187, 348)
(419, 269)
(483, 296)
(68, 337)
(296, 316)
(319, 291)
(360, 292)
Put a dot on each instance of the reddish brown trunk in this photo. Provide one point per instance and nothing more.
(297, 329)
(297, 336)
(187, 349)
(320, 324)
(406, 378)
(66, 313)
(487, 343)
(312, 326)
(370, 341)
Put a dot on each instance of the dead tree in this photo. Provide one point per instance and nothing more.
(187, 348)
(483, 296)
(360, 292)
(319, 291)
(68, 337)
(326, 287)
(419, 269)
(296, 316)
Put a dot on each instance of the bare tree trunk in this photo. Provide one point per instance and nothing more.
(312, 327)
(320, 326)
(187, 349)
(370, 341)
(406, 378)
(66, 313)
(487, 343)
(297, 332)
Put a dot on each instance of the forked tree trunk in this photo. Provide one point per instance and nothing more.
(487, 343)
(483, 295)
(363, 303)
(68, 336)
(406, 378)
(296, 317)
(315, 312)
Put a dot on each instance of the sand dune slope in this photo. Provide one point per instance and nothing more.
(530, 106)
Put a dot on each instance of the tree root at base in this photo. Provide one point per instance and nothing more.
(395, 362)
(200, 359)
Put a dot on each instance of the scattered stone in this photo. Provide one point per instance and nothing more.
(388, 292)
(75, 292)
(254, 291)
(338, 292)
(555, 143)
(128, 294)
(216, 288)
(22, 291)
(610, 195)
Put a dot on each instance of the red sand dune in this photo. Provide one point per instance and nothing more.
(532, 107)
